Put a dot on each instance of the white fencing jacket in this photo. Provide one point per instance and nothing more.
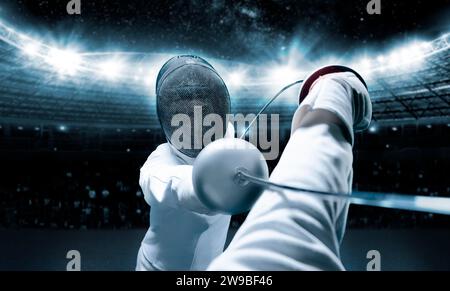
(183, 233)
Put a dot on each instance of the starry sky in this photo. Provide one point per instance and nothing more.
(236, 30)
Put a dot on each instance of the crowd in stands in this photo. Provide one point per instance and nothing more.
(56, 189)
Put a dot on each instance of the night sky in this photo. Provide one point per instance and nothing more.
(239, 30)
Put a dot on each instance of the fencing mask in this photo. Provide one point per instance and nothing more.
(192, 102)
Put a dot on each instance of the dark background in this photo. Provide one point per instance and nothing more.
(244, 30)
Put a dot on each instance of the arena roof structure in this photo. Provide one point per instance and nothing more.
(42, 84)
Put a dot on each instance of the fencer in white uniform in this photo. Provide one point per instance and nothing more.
(183, 233)
(289, 230)
(285, 230)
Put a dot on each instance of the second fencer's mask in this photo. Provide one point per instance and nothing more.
(192, 103)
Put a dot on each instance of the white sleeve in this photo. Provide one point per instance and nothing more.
(166, 179)
(287, 230)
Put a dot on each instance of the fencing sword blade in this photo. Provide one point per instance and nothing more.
(430, 204)
(438, 205)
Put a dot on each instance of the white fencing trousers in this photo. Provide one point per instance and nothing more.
(288, 230)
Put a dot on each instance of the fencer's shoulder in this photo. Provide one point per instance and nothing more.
(163, 148)
(162, 152)
(162, 156)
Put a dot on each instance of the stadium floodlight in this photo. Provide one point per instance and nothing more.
(416, 51)
(284, 74)
(395, 60)
(64, 61)
(364, 66)
(111, 69)
(411, 54)
(236, 79)
(31, 49)
(425, 46)
(149, 75)
(406, 56)
(150, 82)
(381, 59)
(62, 128)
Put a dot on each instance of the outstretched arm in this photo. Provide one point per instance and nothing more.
(289, 230)
(166, 178)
